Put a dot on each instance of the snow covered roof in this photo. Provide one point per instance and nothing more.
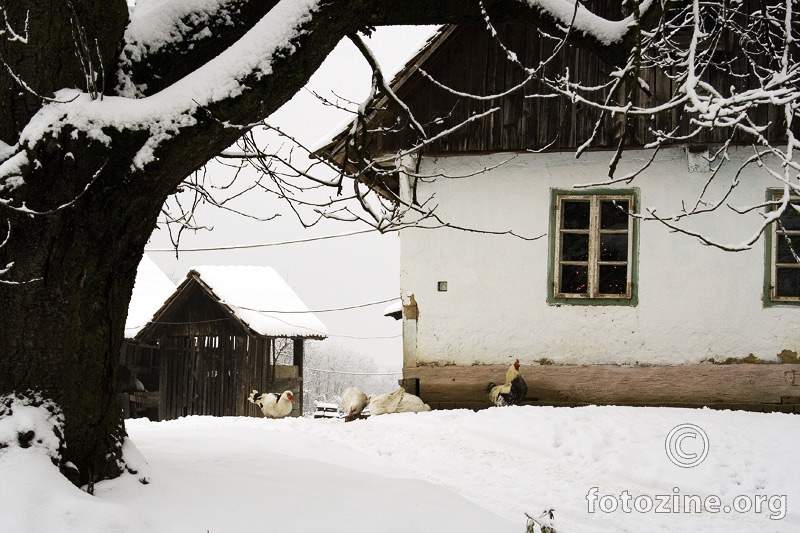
(150, 291)
(260, 298)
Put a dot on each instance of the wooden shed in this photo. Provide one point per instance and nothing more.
(219, 336)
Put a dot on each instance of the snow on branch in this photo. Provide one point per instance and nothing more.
(681, 46)
(379, 81)
(25, 210)
(12, 169)
(158, 23)
(10, 33)
(167, 112)
(9, 266)
(728, 247)
(573, 15)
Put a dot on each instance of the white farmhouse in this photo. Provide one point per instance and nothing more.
(535, 254)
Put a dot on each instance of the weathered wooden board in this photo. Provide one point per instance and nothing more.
(470, 61)
(735, 386)
(214, 376)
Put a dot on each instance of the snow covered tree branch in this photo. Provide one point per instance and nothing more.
(709, 75)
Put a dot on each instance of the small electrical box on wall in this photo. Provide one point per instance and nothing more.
(442, 286)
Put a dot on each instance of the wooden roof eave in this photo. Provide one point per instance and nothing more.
(335, 153)
(193, 275)
(146, 330)
(336, 150)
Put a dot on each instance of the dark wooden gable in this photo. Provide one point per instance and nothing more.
(468, 59)
(193, 311)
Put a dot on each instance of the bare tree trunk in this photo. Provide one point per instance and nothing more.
(65, 295)
(63, 326)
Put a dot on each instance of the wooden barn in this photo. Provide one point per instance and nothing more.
(537, 255)
(226, 330)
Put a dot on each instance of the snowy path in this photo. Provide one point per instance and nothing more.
(440, 471)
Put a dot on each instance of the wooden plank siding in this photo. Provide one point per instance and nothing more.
(471, 61)
(754, 387)
(192, 312)
(214, 375)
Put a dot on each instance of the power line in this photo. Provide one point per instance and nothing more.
(330, 310)
(345, 308)
(343, 336)
(353, 373)
(263, 245)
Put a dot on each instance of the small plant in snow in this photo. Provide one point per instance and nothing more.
(541, 524)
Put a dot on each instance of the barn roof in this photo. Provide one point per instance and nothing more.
(255, 296)
(152, 287)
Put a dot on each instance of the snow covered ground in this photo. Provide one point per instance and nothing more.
(459, 471)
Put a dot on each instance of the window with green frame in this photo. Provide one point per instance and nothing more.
(782, 279)
(592, 255)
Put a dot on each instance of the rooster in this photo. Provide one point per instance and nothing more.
(272, 404)
(398, 401)
(512, 392)
(353, 402)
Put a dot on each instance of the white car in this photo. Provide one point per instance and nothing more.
(327, 410)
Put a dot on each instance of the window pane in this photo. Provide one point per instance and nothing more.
(614, 214)
(574, 279)
(575, 214)
(574, 246)
(613, 279)
(785, 246)
(790, 219)
(613, 247)
(788, 282)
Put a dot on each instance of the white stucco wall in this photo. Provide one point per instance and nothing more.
(694, 302)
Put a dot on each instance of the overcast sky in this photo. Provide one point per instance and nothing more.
(326, 274)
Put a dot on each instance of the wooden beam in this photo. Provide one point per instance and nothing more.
(680, 385)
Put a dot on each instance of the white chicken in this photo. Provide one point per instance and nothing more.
(398, 401)
(411, 404)
(271, 404)
(353, 402)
